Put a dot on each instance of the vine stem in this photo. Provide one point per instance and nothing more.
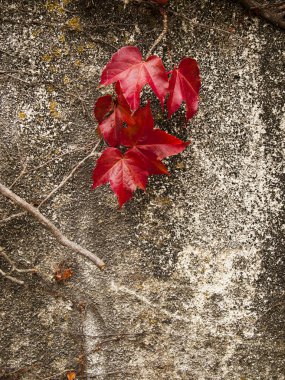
(162, 34)
(6, 192)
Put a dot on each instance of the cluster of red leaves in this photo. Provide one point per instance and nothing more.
(123, 123)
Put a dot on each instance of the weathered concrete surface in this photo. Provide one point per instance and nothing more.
(195, 281)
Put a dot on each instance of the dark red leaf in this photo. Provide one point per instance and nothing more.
(111, 115)
(127, 67)
(103, 106)
(184, 85)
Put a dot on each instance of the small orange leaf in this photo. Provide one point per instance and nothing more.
(71, 375)
(63, 274)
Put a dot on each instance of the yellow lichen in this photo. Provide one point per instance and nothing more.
(74, 23)
(66, 79)
(61, 38)
(77, 62)
(36, 32)
(80, 49)
(46, 57)
(22, 115)
(53, 69)
(50, 88)
(54, 6)
(57, 52)
(53, 108)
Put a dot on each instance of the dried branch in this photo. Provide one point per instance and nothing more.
(14, 268)
(62, 183)
(162, 34)
(273, 13)
(11, 278)
(11, 217)
(70, 175)
(198, 23)
(22, 173)
(6, 192)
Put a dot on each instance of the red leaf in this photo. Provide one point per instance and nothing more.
(111, 115)
(127, 67)
(102, 107)
(184, 84)
(63, 274)
(150, 140)
(124, 172)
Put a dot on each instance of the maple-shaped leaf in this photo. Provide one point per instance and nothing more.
(125, 173)
(184, 84)
(127, 67)
(111, 114)
(149, 140)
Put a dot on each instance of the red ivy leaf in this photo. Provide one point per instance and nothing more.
(124, 172)
(127, 67)
(150, 140)
(102, 107)
(184, 84)
(111, 115)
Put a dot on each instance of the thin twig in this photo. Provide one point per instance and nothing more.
(91, 154)
(99, 40)
(22, 173)
(70, 175)
(276, 18)
(198, 23)
(11, 278)
(6, 192)
(162, 34)
(85, 147)
(2, 72)
(22, 21)
(20, 79)
(14, 268)
(12, 217)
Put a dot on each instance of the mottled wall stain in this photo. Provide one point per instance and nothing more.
(194, 286)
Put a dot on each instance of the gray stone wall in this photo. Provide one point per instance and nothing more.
(194, 284)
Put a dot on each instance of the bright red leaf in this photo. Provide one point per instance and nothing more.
(127, 67)
(111, 114)
(149, 140)
(184, 85)
(124, 172)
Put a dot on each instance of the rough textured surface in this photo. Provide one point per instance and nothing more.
(194, 287)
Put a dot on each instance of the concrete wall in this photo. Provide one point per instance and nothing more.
(194, 286)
